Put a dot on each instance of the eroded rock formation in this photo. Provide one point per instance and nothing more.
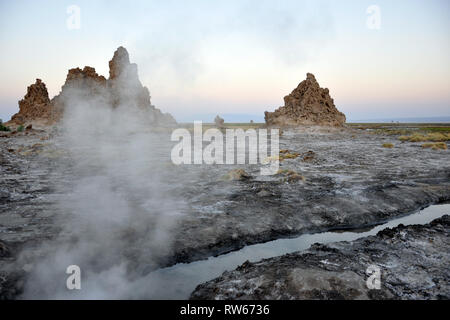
(122, 89)
(86, 79)
(308, 104)
(81, 84)
(34, 105)
(127, 90)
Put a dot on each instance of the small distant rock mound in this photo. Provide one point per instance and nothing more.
(122, 89)
(219, 121)
(308, 104)
(236, 175)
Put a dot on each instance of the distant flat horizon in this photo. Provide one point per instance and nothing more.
(246, 118)
(443, 119)
(259, 118)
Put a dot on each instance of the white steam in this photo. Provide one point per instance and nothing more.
(115, 210)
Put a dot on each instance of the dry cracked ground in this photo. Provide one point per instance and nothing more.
(331, 179)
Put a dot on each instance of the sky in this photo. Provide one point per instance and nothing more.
(239, 58)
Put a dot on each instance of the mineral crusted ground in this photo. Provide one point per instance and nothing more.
(350, 181)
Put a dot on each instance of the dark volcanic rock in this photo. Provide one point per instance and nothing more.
(4, 250)
(308, 104)
(414, 263)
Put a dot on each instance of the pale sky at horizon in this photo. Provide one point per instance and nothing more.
(232, 57)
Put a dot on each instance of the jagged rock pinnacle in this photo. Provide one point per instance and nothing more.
(119, 63)
(35, 104)
(308, 104)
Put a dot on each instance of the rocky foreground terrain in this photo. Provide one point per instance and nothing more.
(414, 262)
(331, 179)
(344, 178)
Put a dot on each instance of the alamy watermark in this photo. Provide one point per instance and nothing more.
(73, 21)
(73, 281)
(373, 282)
(373, 21)
(229, 149)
